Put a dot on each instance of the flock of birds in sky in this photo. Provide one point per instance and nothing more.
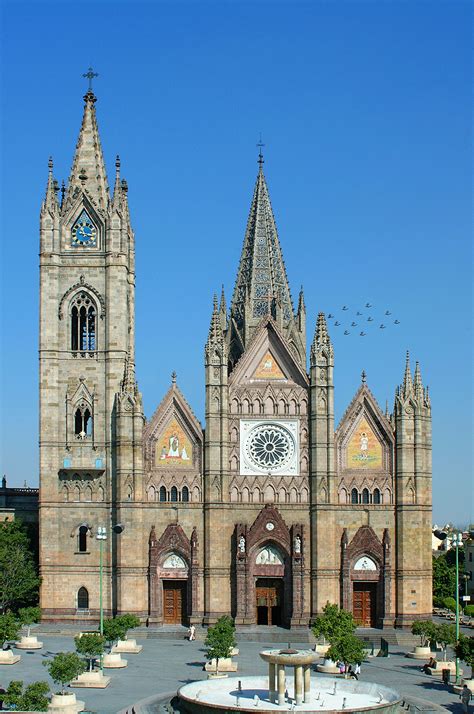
(362, 320)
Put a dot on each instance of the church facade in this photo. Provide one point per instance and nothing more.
(270, 510)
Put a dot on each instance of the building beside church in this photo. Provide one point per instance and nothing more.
(265, 513)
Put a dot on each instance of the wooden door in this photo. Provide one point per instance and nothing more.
(363, 604)
(174, 602)
(269, 601)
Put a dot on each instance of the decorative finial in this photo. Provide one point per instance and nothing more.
(260, 146)
(90, 74)
(364, 377)
(173, 377)
(117, 164)
(63, 191)
(50, 165)
(82, 175)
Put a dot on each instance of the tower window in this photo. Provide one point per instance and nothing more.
(82, 539)
(83, 324)
(174, 494)
(83, 421)
(82, 599)
(185, 494)
(162, 494)
(365, 496)
(354, 496)
(377, 498)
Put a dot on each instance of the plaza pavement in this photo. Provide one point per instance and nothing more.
(164, 665)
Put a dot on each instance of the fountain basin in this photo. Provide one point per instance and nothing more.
(220, 696)
(290, 659)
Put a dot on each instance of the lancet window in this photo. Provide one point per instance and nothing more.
(83, 324)
(83, 422)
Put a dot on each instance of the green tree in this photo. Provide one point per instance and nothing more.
(13, 694)
(65, 667)
(333, 623)
(469, 610)
(348, 649)
(425, 630)
(19, 581)
(445, 635)
(465, 651)
(129, 622)
(220, 639)
(114, 630)
(33, 699)
(91, 645)
(450, 603)
(29, 615)
(9, 628)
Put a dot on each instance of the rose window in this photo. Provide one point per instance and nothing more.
(270, 447)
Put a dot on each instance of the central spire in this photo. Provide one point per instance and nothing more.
(88, 172)
(261, 283)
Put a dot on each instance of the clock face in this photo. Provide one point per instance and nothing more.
(84, 232)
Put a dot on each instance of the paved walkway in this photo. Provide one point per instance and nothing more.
(164, 665)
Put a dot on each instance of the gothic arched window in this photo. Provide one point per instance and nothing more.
(82, 599)
(354, 496)
(162, 494)
(185, 494)
(174, 494)
(365, 496)
(82, 539)
(83, 421)
(377, 498)
(83, 324)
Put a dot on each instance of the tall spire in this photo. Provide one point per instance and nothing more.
(321, 339)
(88, 172)
(261, 273)
(407, 386)
(418, 383)
(216, 335)
(52, 188)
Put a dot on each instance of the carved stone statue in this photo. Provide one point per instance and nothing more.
(298, 544)
(242, 544)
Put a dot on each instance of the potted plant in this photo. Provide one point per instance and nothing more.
(91, 646)
(28, 616)
(114, 630)
(332, 625)
(9, 628)
(424, 629)
(33, 699)
(465, 651)
(219, 643)
(129, 622)
(445, 635)
(347, 648)
(63, 668)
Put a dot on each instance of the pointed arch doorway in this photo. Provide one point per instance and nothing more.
(269, 598)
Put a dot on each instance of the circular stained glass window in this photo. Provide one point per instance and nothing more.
(270, 447)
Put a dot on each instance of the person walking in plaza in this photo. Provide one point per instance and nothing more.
(192, 633)
(466, 696)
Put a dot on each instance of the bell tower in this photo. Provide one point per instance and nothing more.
(86, 358)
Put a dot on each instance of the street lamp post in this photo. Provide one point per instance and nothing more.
(457, 542)
(101, 536)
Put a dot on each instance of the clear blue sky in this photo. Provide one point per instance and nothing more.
(364, 108)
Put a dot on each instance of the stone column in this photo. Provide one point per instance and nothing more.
(298, 684)
(307, 683)
(281, 684)
(271, 681)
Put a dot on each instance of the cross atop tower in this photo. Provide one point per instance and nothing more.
(260, 146)
(90, 74)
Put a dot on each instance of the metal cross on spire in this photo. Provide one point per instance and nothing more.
(90, 74)
(260, 146)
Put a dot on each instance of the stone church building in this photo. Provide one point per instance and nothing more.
(267, 511)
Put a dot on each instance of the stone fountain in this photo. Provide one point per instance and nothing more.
(301, 692)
